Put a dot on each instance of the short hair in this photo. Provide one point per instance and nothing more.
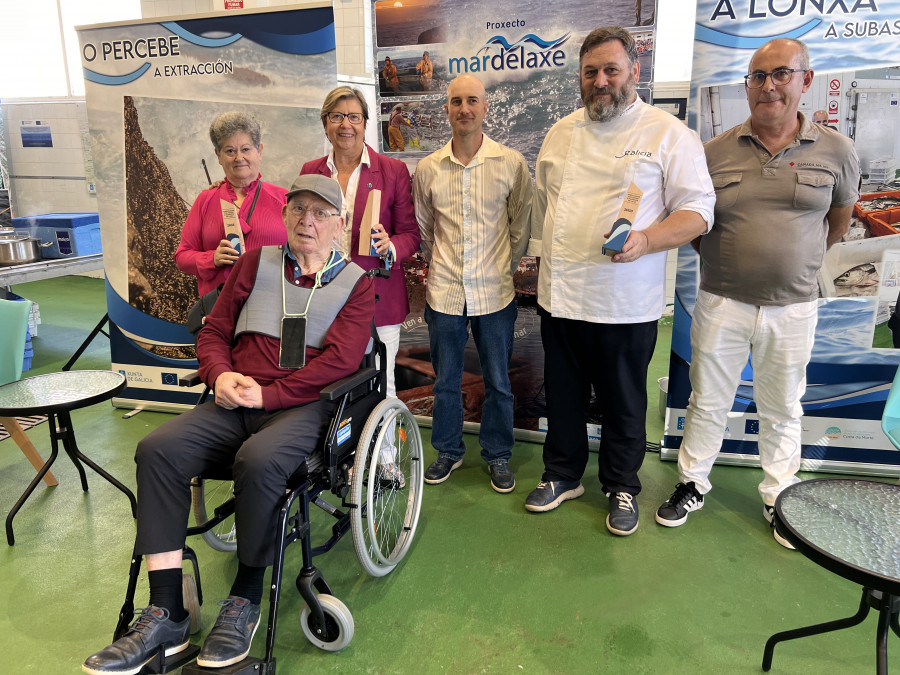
(339, 94)
(804, 51)
(230, 123)
(605, 34)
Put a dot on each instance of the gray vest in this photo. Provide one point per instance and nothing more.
(262, 311)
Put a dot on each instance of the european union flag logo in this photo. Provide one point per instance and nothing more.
(170, 379)
(751, 427)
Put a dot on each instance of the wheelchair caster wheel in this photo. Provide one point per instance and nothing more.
(338, 629)
(191, 601)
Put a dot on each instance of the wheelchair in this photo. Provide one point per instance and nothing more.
(370, 464)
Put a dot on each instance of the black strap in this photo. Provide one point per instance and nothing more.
(255, 197)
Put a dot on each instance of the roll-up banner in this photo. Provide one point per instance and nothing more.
(855, 54)
(152, 90)
(526, 54)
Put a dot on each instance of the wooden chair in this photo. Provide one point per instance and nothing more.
(13, 325)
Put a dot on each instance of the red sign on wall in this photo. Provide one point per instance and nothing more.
(234, 4)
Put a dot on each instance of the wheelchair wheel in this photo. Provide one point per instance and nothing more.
(207, 495)
(386, 487)
(338, 624)
(191, 601)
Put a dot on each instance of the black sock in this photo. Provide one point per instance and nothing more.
(165, 591)
(248, 583)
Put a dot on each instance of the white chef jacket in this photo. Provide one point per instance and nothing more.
(582, 175)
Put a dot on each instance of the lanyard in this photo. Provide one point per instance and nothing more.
(332, 263)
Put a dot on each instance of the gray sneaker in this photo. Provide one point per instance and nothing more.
(623, 514)
(550, 494)
(502, 478)
(441, 468)
(151, 630)
(229, 640)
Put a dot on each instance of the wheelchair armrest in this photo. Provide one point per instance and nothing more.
(337, 389)
(190, 380)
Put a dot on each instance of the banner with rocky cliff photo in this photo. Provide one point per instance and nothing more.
(152, 89)
(855, 54)
(526, 54)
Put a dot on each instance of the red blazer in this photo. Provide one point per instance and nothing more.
(399, 220)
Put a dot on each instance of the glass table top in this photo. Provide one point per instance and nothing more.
(59, 391)
(855, 521)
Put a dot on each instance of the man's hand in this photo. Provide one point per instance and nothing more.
(225, 254)
(234, 390)
(636, 245)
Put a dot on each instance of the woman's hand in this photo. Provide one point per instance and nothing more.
(225, 254)
(381, 240)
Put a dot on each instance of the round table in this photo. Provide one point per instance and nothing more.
(850, 527)
(56, 395)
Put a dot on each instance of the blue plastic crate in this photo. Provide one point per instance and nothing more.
(63, 235)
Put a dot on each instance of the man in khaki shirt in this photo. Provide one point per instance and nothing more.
(473, 203)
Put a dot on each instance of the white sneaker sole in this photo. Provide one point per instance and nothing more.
(438, 481)
(574, 493)
(781, 540)
(681, 521)
(621, 533)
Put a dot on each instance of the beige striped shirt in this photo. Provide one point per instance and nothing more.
(475, 224)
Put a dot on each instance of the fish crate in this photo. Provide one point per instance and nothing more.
(860, 211)
(882, 223)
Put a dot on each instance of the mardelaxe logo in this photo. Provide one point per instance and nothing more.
(527, 53)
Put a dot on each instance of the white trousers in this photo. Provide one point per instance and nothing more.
(723, 334)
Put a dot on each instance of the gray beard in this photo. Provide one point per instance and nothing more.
(605, 112)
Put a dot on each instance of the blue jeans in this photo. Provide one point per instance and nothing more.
(493, 335)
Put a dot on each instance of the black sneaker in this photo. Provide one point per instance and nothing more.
(676, 508)
(441, 468)
(502, 478)
(769, 515)
(229, 640)
(623, 514)
(150, 630)
(550, 494)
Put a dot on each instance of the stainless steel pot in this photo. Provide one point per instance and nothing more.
(17, 249)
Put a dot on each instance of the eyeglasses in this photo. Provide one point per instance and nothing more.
(337, 118)
(318, 215)
(780, 77)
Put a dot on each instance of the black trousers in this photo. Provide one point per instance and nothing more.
(263, 448)
(613, 358)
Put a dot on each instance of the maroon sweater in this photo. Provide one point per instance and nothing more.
(256, 355)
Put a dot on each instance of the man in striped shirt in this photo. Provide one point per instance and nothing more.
(473, 203)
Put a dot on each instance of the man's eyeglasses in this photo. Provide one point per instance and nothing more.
(337, 118)
(780, 77)
(318, 215)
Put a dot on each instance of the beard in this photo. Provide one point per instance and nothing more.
(621, 98)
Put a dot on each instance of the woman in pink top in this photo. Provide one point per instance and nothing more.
(204, 252)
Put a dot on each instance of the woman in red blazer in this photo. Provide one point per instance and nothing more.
(359, 170)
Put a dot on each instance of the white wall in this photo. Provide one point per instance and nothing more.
(48, 180)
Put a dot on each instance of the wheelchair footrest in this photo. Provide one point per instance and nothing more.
(163, 664)
(249, 666)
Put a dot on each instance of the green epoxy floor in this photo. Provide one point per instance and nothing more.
(486, 588)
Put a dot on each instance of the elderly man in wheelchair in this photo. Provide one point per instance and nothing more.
(288, 322)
